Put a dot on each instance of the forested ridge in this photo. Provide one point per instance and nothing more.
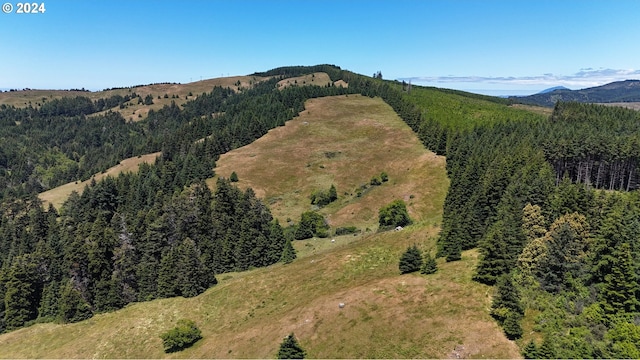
(530, 194)
(550, 202)
(157, 233)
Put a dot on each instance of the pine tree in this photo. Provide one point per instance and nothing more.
(410, 261)
(621, 286)
(21, 296)
(73, 307)
(548, 348)
(430, 266)
(333, 193)
(290, 349)
(507, 299)
(288, 253)
(512, 327)
(233, 177)
(530, 351)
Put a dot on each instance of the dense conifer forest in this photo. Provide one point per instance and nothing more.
(551, 202)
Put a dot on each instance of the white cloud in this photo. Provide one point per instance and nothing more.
(586, 77)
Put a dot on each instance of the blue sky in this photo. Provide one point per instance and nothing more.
(485, 46)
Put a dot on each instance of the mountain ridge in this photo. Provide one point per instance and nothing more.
(618, 91)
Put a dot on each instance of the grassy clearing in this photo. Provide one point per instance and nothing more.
(342, 140)
(319, 79)
(58, 195)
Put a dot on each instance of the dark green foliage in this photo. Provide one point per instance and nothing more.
(394, 214)
(548, 349)
(185, 334)
(375, 181)
(384, 177)
(311, 224)
(290, 349)
(512, 327)
(621, 285)
(72, 306)
(233, 177)
(323, 198)
(410, 261)
(530, 351)
(345, 230)
(288, 253)
(21, 295)
(430, 266)
(507, 300)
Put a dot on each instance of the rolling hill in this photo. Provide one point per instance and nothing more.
(615, 92)
(247, 314)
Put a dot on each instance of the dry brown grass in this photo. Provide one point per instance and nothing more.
(58, 195)
(319, 78)
(133, 109)
(342, 140)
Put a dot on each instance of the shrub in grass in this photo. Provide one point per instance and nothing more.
(394, 214)
(185, 334)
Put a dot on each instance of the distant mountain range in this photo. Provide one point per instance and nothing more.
(552, 89)
(619, 91)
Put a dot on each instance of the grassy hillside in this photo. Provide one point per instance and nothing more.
(344, 140)
(133, 111)
(318, 78)
(340, 140)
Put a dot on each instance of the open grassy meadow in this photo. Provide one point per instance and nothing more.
(341, 140)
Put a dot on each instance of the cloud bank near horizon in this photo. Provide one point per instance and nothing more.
(584, 78)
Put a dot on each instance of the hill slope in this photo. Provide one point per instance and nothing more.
(247, 314)
(132, 110)
(620, 91)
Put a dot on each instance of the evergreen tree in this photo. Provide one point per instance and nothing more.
(290, 349)
(507, 300)
(621, 286)
(566, 248)
(333, 193)
(233, 177)
(430, 266)
(73, 307)
(288, 253)
(410, 261)
(512, 327)
(21, 297)
(548, 348)
(530, 351)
